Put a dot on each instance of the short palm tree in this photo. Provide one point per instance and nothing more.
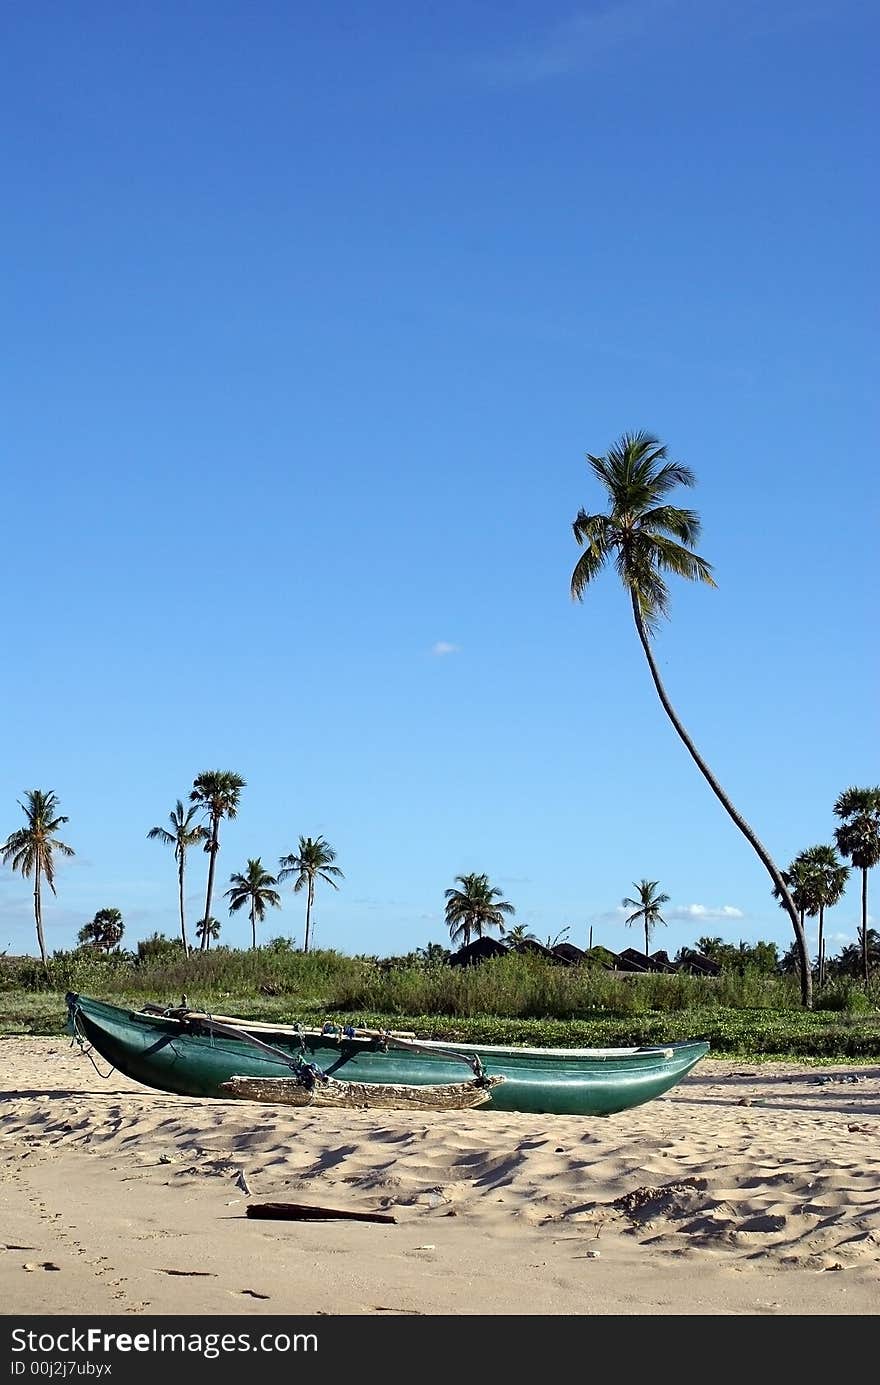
(312, 861)
(519, 933)
(104, 931)
(828, 877)
(253, 889)
(185, 832)
(647, 908)
(849, 961)
(647, 539)
(207, 931)
(217, 792)
(473, 908)
(858, 837)
(32, 849)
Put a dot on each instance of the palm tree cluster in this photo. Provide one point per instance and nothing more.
(216, 794)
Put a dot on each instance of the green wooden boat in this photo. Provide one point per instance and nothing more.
(194, 1054)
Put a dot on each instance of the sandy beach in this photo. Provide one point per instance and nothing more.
(747, 1189)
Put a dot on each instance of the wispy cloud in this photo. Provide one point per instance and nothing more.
(444, 647)
(605, 26)
(574, 43)
(704, 911)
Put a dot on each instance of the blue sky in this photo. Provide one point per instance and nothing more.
(311, 314)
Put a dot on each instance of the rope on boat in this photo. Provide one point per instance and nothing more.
(78, 1037)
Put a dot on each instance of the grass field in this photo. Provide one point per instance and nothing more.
(513, 999)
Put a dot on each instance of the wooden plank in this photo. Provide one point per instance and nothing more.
(300, 1211)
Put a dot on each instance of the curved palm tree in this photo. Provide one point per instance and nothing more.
(858, 837)
(254, 888)
(207, 931)
(217, 791)
(476, 906)
(647, 908)
(104, 931)
(312, 861)
(828, 877)
(185, 832)
(31, 849)
(647, 538)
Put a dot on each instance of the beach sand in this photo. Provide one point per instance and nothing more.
(747, 1189)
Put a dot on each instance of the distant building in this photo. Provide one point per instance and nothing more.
(478, 951)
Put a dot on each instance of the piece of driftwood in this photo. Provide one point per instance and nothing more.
(289, 1091)
(299, 1211)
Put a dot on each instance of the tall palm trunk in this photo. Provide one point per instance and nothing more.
(646, 937)
(821, 942)
(761, 851)
(309, 899)
(212, 862)
(865, 924)
(254, 923)
(38, 916)
(182, 915)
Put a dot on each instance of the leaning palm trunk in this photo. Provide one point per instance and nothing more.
(212, 862)
(864, 925)
(38, 917)
(309, 898)
(762, 852)
(182, 914)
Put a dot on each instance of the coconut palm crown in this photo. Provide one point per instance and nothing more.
(312, 861)
(647, 908)
(648, 539)
(474, 908)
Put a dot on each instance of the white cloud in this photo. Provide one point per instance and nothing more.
(704, 911)
(444, 647)
(575, 42)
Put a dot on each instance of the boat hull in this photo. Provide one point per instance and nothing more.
(177, 1055)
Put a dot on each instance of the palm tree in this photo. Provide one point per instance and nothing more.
(477, 905)
(254, 889)
(828, 877)
(32, 849)
(799, 881)
(648, 538)
(217, 791)
(858, 837)
(312, 861)
(647, 908)
(105, 930)
(207, 930)
(185, 832)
